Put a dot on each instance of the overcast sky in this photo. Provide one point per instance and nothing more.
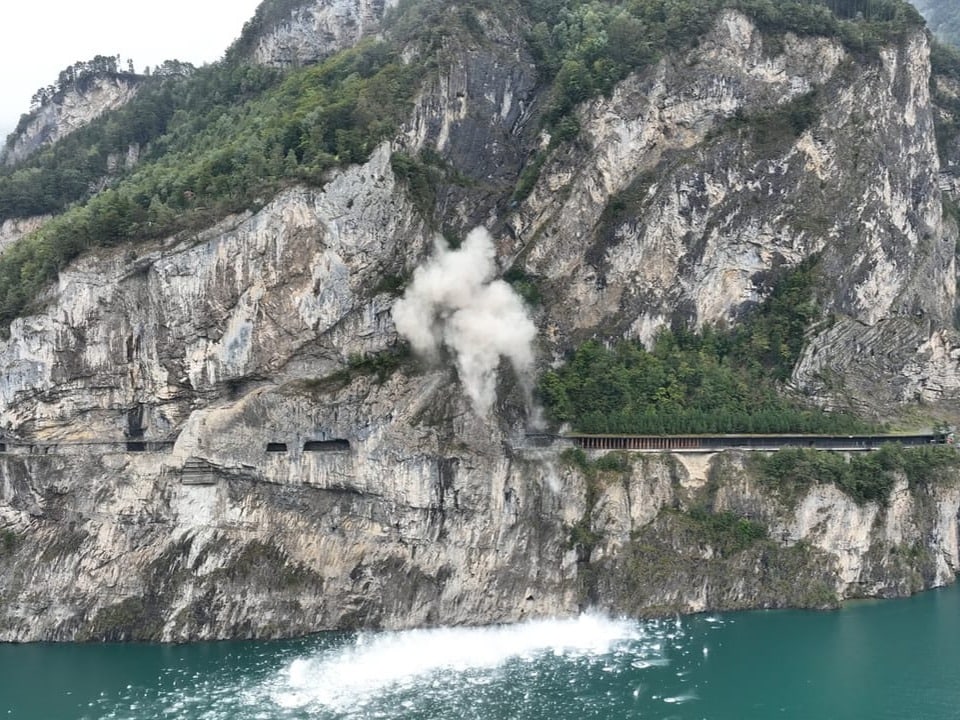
(42, 37)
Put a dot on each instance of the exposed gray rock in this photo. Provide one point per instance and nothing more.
(315, 30)
(476, 111)
(691, 193)
(417, 524)
(70, 110)
(15, 228)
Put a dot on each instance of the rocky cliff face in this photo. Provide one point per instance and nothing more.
(410, 527)
(15, 228)
(218, 436)
(821, 545)
(315, 30)
(69, 111)
(695, 184)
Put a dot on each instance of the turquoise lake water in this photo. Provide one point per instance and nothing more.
(894, 659)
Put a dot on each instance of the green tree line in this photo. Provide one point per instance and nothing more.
(247, 134)
(866, 477)
(713, 381)
(222, 138)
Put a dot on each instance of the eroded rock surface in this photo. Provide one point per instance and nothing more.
(70, 110)
(220, 436)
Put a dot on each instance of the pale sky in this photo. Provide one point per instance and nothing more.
(42, 37)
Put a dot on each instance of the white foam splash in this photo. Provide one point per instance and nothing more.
(528, 670)
(350, 676)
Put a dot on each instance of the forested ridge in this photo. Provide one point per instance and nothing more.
(226, 137)
(215, 142)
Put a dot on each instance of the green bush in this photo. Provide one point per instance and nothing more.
(233, 136)
(419, 177)
(866, 477)
(727, 533)
(525, 285)
(708, 382)
(612, 462)
(529, 176)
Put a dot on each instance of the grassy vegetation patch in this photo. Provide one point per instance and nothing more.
(378, 366)
(527, 286)
(865, 477)
(774, 130)
(725, 532)
(424, 175)
(9, 542)
(420, 178)
(708, 382)
(686, 559)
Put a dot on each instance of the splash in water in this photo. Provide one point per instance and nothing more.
(585, 667)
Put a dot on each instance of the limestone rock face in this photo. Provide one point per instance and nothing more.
(219, 435)
(237, 305)
(692, 190)
(221, 347)
(646, 269)
(69, 111)
(477, 110)
(15, 228)
(913, 362)
(819, 547)
(318, 29)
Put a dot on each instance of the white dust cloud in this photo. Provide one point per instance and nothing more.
(454, 302)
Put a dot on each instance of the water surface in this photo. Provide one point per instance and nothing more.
(894, 659)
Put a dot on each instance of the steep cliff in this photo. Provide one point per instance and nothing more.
(219, 433)
(698, 181)
(658, 551)
(68, 110)
(285, 33)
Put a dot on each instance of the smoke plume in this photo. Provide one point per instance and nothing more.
(454, 302)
